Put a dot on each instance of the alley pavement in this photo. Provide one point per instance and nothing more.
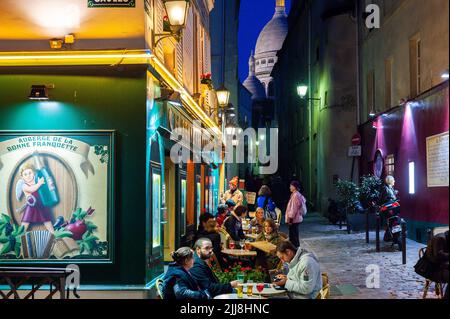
(345, 258)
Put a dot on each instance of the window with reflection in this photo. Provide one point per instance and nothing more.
(156, 210)
(183, 206)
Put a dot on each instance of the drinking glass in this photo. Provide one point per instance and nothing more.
(249, 288)
(260, 288)
(242, 243)
(232, 244)
(240, 291)
(240, 277)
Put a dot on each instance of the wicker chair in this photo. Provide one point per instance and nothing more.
(279, 214)
(324, 293)
(439, 290)
(158, 288)
(224, 237)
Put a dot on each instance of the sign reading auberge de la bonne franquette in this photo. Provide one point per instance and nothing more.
(111, 3)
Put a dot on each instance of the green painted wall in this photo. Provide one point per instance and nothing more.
(94, 98)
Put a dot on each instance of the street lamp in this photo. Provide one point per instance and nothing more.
(223, 96)
(176, 14)
(302, 89)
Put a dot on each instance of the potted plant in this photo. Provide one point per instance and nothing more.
(231, 273)
(348, 195)
(370, 192)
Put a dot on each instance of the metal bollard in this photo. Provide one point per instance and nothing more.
(403, 223)
(377, 232)
(367, 226)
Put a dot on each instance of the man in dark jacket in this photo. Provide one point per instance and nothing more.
(233, 224)
(203, 274)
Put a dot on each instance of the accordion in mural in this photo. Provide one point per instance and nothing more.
(37, 244)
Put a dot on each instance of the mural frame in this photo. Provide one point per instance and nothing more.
(110, 202)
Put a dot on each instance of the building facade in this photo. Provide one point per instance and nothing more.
(140, 95)
(404, 106)
(315, 132)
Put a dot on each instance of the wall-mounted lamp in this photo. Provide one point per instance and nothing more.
(372, 113)
(445, 75)
(176, 11)
(56, 43)
(223, 96)
(169, 95)
(38, 93)
(302, 90)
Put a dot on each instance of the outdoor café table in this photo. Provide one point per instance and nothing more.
(239, 252)
(264, 246)
(251, 236)
(234, 296)
(268, 292)
(15, 277)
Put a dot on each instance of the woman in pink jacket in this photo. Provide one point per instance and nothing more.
(294, 212)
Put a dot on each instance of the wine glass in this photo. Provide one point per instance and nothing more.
(242, 243)
(260, 288)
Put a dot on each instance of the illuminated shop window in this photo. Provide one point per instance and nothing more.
(412, 186)
(183, 207)
(156, 210)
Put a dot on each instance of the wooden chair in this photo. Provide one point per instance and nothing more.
(324, 293)
(158, 288)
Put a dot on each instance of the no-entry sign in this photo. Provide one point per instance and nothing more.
(356, 139)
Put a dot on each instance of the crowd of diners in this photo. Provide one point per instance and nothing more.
(191, 274)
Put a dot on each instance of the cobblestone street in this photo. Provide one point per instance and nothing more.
(345, 258)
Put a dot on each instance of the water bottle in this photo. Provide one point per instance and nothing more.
(48, 191)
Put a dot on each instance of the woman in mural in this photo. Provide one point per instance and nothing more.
(33, 211)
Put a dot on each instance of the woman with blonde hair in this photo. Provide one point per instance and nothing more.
(271, 235)
(258, 221)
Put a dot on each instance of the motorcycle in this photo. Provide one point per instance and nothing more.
(391, 212)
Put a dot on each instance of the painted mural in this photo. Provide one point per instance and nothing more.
(55, 195)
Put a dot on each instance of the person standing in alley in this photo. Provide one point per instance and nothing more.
(295, 211)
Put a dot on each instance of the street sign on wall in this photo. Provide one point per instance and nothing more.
(356, 139)
(111, 3)
(354, 151)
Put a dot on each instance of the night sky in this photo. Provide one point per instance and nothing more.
(253, 17)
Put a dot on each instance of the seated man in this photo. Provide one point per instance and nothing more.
(233, 224)
(204, 218)
(202, 272)
(304, 279)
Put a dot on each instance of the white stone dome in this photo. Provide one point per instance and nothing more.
(274, 33)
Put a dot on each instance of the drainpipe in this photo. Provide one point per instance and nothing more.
(309, 101)
(358, 70)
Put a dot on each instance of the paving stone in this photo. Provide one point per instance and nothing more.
(345, 258)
